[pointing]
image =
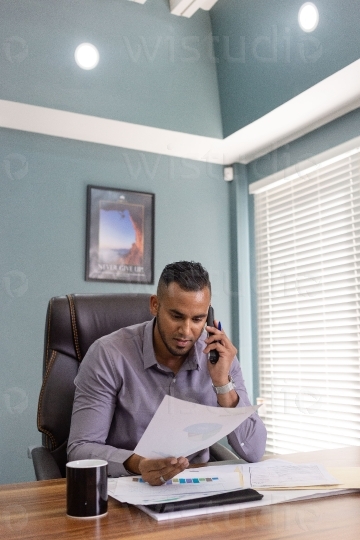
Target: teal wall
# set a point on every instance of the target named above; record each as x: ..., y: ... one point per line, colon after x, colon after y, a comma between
x: 264, y: 58
x: 242, y: 297
x: 332, y: 134
x: 154, y: 71
x: 155, y: 68
x: 42, y: 244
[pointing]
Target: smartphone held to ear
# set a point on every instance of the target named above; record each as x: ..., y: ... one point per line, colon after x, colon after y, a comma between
x: 214, y: 354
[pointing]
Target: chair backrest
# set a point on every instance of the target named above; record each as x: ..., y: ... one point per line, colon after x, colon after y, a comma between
x: 73, y: 323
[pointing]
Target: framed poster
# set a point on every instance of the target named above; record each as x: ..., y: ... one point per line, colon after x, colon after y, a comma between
x: 119, y: 235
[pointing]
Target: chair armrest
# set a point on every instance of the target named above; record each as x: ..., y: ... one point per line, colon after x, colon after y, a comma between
x: 45, y: 465
x: 219, y: 452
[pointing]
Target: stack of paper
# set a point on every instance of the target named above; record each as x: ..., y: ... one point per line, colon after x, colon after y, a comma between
x: 190, y: 484
x: 181, y: 428
x: 278, y: 480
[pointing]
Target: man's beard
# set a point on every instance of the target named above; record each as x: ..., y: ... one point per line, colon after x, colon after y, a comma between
x: 174, y: 351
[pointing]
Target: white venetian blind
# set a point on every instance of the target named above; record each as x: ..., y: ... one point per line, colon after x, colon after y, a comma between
x: 308, y: 294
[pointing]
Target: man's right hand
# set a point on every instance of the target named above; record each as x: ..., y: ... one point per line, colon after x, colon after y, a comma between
x: 156, y: 471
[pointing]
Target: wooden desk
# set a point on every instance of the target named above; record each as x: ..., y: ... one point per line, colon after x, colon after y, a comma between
x: 36, y: 510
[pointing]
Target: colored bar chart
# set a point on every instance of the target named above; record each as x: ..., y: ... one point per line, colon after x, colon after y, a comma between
x: 174, y: 481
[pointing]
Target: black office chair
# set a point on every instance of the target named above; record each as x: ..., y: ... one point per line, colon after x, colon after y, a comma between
x: 73, y: 323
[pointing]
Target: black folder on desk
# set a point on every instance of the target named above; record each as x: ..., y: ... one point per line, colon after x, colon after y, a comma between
x: 231, y: 497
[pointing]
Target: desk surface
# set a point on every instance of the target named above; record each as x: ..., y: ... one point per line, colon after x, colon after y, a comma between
x: 36, y: 510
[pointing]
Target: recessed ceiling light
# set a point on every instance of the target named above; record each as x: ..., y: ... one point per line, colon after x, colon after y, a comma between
x: 308, y: 17
x: 87, y: 56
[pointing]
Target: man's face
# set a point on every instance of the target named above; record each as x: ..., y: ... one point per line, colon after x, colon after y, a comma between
x: 180, y: 319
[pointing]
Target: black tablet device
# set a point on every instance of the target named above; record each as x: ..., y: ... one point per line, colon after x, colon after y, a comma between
x: 219, y: 499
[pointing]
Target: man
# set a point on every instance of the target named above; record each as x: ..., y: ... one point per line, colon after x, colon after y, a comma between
x: 125, y: 375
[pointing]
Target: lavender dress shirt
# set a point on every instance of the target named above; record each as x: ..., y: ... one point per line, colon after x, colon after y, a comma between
x: 120, y: 385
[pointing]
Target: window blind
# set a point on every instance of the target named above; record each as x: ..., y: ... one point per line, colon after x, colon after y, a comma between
x: 307, y: 231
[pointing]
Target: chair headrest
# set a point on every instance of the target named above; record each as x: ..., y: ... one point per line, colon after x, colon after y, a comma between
x: 75, y: 321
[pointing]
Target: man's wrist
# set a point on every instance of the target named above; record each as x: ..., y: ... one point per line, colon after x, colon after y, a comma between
x: 132, y: 464
x: 229, y: 400
x: 225, y: 388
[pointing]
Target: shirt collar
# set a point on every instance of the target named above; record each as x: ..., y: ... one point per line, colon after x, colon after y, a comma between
x: 192, y: 361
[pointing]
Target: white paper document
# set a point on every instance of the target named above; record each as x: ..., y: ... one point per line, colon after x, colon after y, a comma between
x: 190, y: 484
x: 181, y: 428
x: 278, y: 473
x: 224, y: 478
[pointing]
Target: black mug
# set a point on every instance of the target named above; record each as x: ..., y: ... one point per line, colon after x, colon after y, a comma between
x: 86, y: 488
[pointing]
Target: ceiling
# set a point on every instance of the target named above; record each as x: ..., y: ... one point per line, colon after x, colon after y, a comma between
x: 331, y: 98
x: 327, y: 100
x: 185, y: 8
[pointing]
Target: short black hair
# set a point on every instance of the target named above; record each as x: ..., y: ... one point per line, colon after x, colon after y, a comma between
x: 189, y: 275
